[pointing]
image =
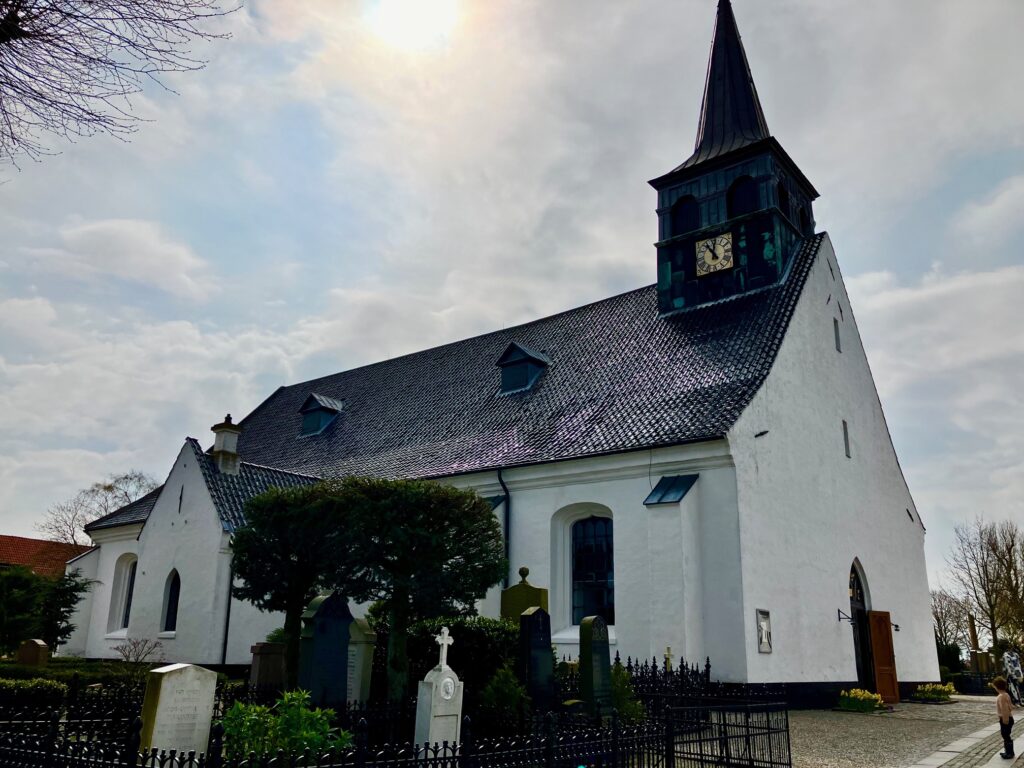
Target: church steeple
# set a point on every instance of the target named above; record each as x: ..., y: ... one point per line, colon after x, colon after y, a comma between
x: 732, y: 213
x: 730, y: 115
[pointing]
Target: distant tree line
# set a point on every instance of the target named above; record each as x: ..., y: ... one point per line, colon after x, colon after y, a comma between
x: 986, y: 568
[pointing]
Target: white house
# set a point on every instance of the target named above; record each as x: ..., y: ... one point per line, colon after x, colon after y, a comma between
x: 703, y: 461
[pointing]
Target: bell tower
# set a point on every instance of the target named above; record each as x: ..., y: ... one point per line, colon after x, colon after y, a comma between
x: 730, y: 216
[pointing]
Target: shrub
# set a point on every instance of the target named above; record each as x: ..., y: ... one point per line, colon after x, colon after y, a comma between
x: 290, y: 725
x: 36, y: 691
x: 859, y: 700
x: 623, y: 699
x: 504, y: 699
x: 89, y: 672
x: 482, y: 647
x: 934, y: 692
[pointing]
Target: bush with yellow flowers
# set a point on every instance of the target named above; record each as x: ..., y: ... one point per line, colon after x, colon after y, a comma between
x: 934, y: 692
x: 859, y: 700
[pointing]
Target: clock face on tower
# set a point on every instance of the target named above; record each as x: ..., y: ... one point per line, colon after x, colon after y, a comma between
x: 714, y: 254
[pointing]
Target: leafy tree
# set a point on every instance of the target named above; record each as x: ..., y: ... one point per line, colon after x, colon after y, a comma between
x: 422, y: 549
x: 419, y: 548
x: 19, y: 595
x: 288, y: 552
x: 32, y: 606
x: 66, y: 520
x: 57, y: 604
x: 69, y: 67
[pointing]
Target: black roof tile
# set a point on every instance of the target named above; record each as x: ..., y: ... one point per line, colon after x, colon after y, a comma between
x: 136, y: 512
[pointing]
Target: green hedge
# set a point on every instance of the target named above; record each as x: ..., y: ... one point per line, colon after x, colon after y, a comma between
x: 89, y: 672
x: 38, y: 690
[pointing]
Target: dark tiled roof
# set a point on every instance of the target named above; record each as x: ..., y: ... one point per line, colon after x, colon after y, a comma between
x: 329, y: 403
x: 730, y: 116
x: 621, y: 378
x: 136, y: 512
x: 45, y: 558
x: 230, y: 492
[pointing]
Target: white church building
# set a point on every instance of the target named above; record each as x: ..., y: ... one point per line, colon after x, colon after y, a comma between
x: 703, y: 461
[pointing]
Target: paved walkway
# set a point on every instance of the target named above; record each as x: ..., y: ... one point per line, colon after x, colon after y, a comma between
x: 963, y: 734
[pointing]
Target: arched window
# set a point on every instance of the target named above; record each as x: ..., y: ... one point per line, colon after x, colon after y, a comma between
x: 742, y: 197
x: 783, y: 195
x: 593, y: 573
x: 172, y: 589
x: 122, y: 592
x: 685, y: 216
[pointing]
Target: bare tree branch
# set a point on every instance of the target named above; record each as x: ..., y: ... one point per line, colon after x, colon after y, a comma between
x: 65, y: 521
x: 70, y: 67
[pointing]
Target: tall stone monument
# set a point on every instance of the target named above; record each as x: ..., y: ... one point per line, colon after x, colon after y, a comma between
x: 595, y: 665
x: 439, y: 701
x: 323, y: 649
x: 361, y: 643
x: 178, y: 708
x: 536, y: 664
x: 521, y: 596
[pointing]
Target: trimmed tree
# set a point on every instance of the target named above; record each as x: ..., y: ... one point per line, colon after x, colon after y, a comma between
x: 424, y: 550
x: 419, y: 548
x: 289, y: 551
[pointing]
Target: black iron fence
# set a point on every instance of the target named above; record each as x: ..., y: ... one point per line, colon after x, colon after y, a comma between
x: 706, y: 736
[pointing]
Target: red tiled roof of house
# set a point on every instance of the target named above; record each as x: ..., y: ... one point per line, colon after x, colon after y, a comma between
x: 46, y: 558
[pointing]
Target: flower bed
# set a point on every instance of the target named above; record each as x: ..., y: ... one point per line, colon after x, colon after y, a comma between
x: 859, y: 700
x: 934, y: 693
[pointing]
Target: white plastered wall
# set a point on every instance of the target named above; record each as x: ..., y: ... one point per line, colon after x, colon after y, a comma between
x: 87, y: 566
x: 677, y: 576
x: 806, y: 510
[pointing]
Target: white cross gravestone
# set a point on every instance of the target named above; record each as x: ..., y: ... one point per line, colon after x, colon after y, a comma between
x: 439, y: 703
x: 178, y: 708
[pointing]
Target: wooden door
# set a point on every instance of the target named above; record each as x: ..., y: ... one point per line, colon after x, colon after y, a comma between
x: 886, y: 684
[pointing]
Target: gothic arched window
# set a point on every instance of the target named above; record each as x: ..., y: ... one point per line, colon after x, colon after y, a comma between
x: 172, y: 591
x: 685, y: 216
x: 593, y: 573
x: 122, y: 592
x: 742, y: 197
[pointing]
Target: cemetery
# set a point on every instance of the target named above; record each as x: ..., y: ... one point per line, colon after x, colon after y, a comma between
x: 534, y: 709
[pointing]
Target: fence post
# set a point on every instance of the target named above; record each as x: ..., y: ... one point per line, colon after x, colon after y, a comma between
x: 361, y: 740
x: 73, y: 689
x: 615, y: 739
x: 549, y: 740
x: 466, y: 747
x: 131, y: 744
x: 670, y: 739
x: 215, y: 750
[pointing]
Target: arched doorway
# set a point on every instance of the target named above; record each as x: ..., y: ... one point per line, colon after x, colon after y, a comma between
x: 859, y: 606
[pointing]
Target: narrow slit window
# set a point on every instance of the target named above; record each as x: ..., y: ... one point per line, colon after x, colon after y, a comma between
x: 835, y: 329
x: 846, y: 438
x: 128, y: 594
x: 171, y: 595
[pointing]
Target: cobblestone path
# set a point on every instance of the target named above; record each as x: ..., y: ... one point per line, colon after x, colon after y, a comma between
x: 899, y: 738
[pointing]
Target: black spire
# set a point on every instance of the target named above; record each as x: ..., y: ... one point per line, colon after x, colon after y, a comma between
x: 730, y: 116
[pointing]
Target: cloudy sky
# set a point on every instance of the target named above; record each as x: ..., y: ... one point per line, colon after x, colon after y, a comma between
x: 351, y: 179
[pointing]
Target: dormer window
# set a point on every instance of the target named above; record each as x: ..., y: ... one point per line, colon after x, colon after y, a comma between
x: 318, y: 411
x: 521, y: 367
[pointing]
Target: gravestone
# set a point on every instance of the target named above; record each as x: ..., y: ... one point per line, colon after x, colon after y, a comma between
x: 595, y: 665
x: 521, y: 596
x: 439, y: 700
x: 323, y: 649
x: 178, y: 708
x: 536, y: 664
x: 361, y: 643
x: 267, y: 672
x: 33, y: 653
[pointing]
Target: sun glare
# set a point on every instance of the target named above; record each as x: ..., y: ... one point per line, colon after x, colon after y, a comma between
x: 413, y: 24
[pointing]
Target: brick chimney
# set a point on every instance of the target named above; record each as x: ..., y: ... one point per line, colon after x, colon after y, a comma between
x: 225, y: 445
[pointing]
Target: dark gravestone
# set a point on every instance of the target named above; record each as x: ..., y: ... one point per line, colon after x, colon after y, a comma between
x: 595, y: 665
x: 536, y: 664
x: 268, y: 667
x: 33, y: 653
x: 521, y: 596
x: 323, y: 649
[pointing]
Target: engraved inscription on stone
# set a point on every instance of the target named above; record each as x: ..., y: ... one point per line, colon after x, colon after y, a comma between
x: 178, y: 708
